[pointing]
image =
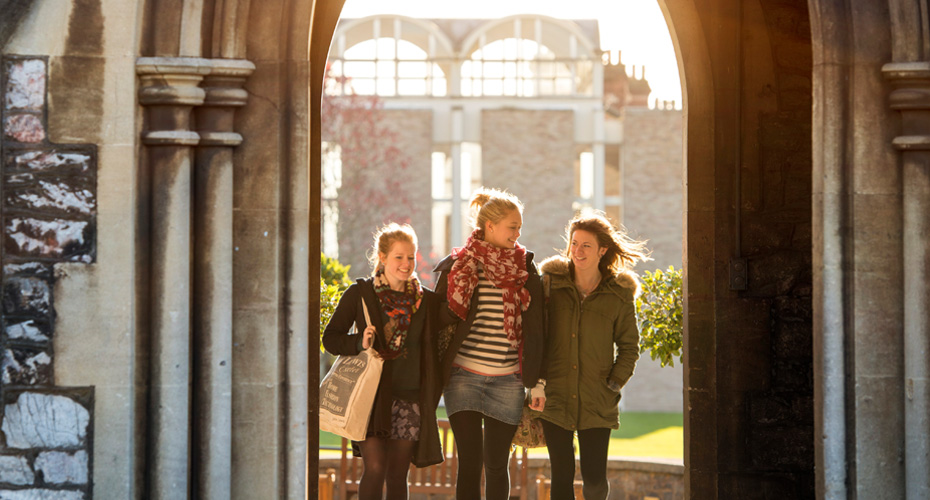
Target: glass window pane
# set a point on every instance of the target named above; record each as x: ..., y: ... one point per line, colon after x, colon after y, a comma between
x: 412, y: 69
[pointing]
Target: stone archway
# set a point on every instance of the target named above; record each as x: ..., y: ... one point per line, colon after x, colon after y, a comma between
x: 709, y: 227
x: 769, y: 389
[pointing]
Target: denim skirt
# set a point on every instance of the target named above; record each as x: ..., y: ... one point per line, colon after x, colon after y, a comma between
x: 499, y: 397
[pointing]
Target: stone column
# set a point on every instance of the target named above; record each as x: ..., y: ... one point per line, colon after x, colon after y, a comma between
x: 213, y: 269
x: 169, y: 89
x: 911, y: 96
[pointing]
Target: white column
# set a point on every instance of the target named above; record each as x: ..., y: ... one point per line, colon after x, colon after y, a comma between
x: 169, y: 89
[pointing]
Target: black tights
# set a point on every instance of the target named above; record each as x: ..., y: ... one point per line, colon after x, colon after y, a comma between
x: 490, y: 450
x: 387, y: 461
x: 593, y: 444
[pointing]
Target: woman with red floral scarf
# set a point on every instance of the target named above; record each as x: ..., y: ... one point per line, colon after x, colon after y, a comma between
x: 402, y: 428
x: 493, y: 291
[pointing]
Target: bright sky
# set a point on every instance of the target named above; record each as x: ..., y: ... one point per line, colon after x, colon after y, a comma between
x: 635, y: 27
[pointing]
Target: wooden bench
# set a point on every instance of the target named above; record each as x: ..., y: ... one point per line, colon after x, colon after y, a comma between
x: 436, y: 479
x: 327, y: 485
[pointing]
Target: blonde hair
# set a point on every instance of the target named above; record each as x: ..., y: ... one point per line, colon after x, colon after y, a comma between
x: 385, y: 237
x: 622, y: 251
x: 492, y: 205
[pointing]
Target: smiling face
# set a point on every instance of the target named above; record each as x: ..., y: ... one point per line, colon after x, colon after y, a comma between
x: 505, y: 232
x: 399, y: 263
x: 585, y: 252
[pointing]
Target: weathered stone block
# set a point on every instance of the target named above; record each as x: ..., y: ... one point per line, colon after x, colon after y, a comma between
x: 793, y: 375
x: 25, y: 366
x: 41, y: 494
x: 59, y: 467
x: 15, y: 470
x: 61, y: 239
x: 793, y: 339
x: 39, y: 420
x: 31, y: 330
x: 37, y: 269
x: 27, y: 296
x: 71, y: 162
x: 25, y: 85
x: 24, y: 128
x: 783, y: 448
x: 68, y: 196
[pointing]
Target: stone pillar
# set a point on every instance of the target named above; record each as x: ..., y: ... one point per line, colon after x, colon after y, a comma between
x: 169, y: 89
x: 911, y: 96
x: 212, y: 273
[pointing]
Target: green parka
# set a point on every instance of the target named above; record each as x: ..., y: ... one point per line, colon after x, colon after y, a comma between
x: 589, y: 343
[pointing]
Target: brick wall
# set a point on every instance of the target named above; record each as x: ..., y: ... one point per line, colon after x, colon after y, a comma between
x: 48, y: 216
x: 532, y: 154
x: 652, y: 167
x: 409, y: 141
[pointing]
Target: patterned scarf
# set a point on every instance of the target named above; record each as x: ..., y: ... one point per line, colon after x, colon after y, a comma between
x: 399, y: 307
x: 504, y: 267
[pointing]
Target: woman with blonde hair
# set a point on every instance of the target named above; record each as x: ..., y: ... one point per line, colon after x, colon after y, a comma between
x: 402, y: 427
x: 492, y: 290
x: 592, y: 348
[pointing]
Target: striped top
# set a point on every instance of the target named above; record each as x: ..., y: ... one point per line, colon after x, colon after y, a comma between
x: 486, y: 350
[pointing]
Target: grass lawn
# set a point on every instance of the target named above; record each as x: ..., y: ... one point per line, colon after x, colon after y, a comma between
x: 650, y: 435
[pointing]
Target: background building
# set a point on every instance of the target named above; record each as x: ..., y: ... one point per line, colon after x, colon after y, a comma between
x: 525, y: 103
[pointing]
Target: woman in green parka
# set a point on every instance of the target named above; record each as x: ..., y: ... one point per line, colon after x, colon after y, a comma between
x: 593, y: 345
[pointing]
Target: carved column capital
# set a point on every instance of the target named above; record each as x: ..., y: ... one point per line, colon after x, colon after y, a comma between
x: 910, y: 95
x: 169, y: 87
x: 224, y: 92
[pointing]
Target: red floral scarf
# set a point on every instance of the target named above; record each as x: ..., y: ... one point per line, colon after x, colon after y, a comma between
x: 399, y: 308
x: 504, y: 267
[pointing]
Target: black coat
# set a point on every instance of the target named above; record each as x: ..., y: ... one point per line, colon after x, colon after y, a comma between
x: 534, y: 332
x: 337, y: 340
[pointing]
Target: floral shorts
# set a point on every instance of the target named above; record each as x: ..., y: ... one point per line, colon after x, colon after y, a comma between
x: 405, y: 420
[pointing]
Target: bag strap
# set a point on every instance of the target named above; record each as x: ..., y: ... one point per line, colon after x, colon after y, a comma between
x: 365, y: 312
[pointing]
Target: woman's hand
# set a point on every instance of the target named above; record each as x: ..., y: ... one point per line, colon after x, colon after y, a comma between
x: 538, y: 397
x: 368, y: 337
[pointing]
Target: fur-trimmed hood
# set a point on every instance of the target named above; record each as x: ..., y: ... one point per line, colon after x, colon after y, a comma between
x: 558, y: 265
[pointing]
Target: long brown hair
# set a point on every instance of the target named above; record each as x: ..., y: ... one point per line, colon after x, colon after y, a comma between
x: 622, y: 253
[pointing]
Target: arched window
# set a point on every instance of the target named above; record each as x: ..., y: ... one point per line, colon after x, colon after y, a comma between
x: 389, y: 56
x: 528, y: 57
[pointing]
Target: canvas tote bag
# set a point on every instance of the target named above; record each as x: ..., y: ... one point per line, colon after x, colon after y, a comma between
x: 348, y: 392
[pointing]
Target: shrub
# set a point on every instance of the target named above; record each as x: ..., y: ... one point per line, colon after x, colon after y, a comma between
x: 334, y: 279
x: 333, y: 272
x: 659, y: 315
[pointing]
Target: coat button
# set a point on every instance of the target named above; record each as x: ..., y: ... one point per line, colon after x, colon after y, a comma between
x: 574, y: 367
x: 573, y: 335
x: 574, y: 396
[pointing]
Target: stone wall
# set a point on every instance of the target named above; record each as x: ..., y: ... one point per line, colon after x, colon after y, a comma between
x: 629, y: 479
x: 761, y: 366
x: 518, y: 149
x: 49, y: 216
x: 652, y: 165
x: 372, y: 195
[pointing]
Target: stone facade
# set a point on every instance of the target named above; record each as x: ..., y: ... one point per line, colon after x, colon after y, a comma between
x: 49, y: 216
x: 652, y: 165
x: 629, y: 479
x: 652, y: 193
x: 805, y: 164
x: 520, y: 146
x: 404, y: 193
